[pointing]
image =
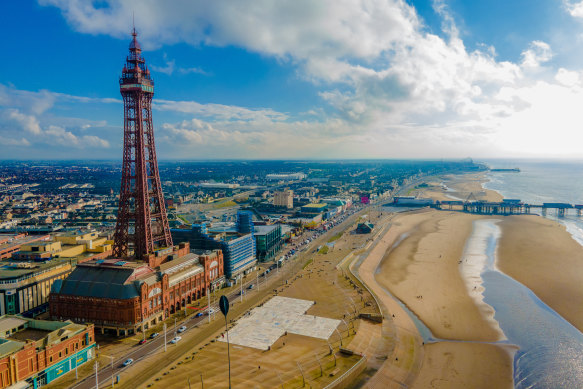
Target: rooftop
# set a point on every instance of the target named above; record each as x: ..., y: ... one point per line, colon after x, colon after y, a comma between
x: 264, y: 230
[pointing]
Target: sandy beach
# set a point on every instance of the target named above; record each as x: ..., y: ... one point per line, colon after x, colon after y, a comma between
x: 418, y: 262
x: 542, y: 255
x: 423, y: 272
x: 456, y: 187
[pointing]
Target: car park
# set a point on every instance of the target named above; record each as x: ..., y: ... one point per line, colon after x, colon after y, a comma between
x: 176, y: 340
x: 128, y: 362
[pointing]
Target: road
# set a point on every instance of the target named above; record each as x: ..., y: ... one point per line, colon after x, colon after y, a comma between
x: 152, y: 346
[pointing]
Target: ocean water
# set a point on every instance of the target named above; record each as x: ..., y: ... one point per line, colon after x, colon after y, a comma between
x: 543, y: 182
x: 551, y: 349
x: 550, y: 353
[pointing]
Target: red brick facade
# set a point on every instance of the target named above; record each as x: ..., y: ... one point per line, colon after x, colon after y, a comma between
x: 156, y: 301
x: 28, y: 361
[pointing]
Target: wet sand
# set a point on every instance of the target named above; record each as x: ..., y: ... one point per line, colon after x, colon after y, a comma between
x: 420, y: 266
x: 543, y: 256
x: 422, y: 271
x: 464, y: 186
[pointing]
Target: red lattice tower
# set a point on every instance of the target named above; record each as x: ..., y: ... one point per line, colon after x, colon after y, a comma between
x: 142, y: 224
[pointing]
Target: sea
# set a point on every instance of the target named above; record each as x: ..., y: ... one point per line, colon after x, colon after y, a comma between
x: 550, y: 353
x: 542, y: 182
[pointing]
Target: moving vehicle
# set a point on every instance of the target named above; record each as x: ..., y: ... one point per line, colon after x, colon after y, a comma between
x: 142, y: 341
x: 181, y: 329
x: 155, y: 334
x: 198, y: 314
x: 176, y: 340
x: 251, y: 286
x: 128, y: 362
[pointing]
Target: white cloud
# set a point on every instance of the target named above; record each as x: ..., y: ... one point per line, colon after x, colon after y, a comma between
x: 25, y: 120
x: 567, y: 77
x: 537, y: 53
x: 395, y: 90
x: 575, y: 9
x: 28, y: 123
x: 219, y: 111
x: 15, y: 142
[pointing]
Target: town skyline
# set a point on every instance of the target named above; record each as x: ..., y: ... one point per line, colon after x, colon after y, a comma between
x: 385, y: 79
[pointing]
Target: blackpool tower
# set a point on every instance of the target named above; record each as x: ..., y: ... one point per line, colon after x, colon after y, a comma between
x: 142, y: 224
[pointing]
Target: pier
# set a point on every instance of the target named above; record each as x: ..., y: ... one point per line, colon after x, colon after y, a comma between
x: 506, y: 207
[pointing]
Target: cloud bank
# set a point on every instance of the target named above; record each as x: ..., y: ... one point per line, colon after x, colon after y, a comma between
x: 388, y: 86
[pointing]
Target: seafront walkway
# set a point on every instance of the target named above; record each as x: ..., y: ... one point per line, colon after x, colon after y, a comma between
x: 403, y: 361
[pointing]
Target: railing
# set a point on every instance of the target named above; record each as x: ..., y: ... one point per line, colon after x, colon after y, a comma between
x: 348, y: 375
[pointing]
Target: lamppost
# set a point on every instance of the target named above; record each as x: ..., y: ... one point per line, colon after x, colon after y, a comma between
x: 224, y: 306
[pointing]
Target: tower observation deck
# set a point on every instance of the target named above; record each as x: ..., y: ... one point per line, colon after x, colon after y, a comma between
x: 142, y: 224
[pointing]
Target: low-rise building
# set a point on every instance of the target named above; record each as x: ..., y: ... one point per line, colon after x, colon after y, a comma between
x: 11, y: 243
x: 126, y: 297
x: 36, y: 352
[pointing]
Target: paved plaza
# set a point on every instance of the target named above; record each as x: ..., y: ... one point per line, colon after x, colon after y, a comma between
x: 261, y: 327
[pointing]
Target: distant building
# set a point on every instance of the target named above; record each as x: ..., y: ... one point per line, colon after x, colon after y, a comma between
x: 286, y: 177
x: 77, y: 246
x: 412, y: 201
x: 268, y: 241
x: 125, y: 297
x: 284, y: 198
x: 11, y: 243
x: 238, y: 247
x: 218, y: 185
x: 34, y: 353
x: 314, y: 209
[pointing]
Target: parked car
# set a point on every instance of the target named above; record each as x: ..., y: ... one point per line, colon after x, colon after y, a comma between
x: 198, y: 314
x: 251, y: 286
x: 142, y: 341
x: 128, y: 362
x: 211, y: 311
x: 155, y: 334
x: 176, y: 340
x: 181, y: 329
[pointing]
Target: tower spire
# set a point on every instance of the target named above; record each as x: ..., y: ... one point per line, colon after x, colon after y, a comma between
x: 142, y: 224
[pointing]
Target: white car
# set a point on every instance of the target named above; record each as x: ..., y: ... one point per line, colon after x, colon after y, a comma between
x: 176, y: 340
x: 211, y: 311
x: 128, y: 362
x: 181, y: 329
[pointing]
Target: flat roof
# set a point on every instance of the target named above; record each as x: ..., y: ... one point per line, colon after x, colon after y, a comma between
x: 315, y: 205
x: 8, y: 323
x: 264, y: 230
x: 9, y: 271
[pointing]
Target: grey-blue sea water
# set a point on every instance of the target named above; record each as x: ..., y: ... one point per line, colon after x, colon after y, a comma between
x: 551, y: 349
x: 543, y: 181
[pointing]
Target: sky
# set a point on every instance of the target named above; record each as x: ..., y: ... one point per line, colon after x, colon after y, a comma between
x: 297, y: 79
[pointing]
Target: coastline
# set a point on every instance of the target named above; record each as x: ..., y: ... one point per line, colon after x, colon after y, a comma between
x: 423, y: 266
x: 422, y: 272
x: 551, y: 267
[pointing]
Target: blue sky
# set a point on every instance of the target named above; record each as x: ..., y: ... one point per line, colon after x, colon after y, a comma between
x: 297, y: 78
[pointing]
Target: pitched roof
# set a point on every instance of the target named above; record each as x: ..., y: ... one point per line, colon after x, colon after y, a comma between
x: 100, y: 282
